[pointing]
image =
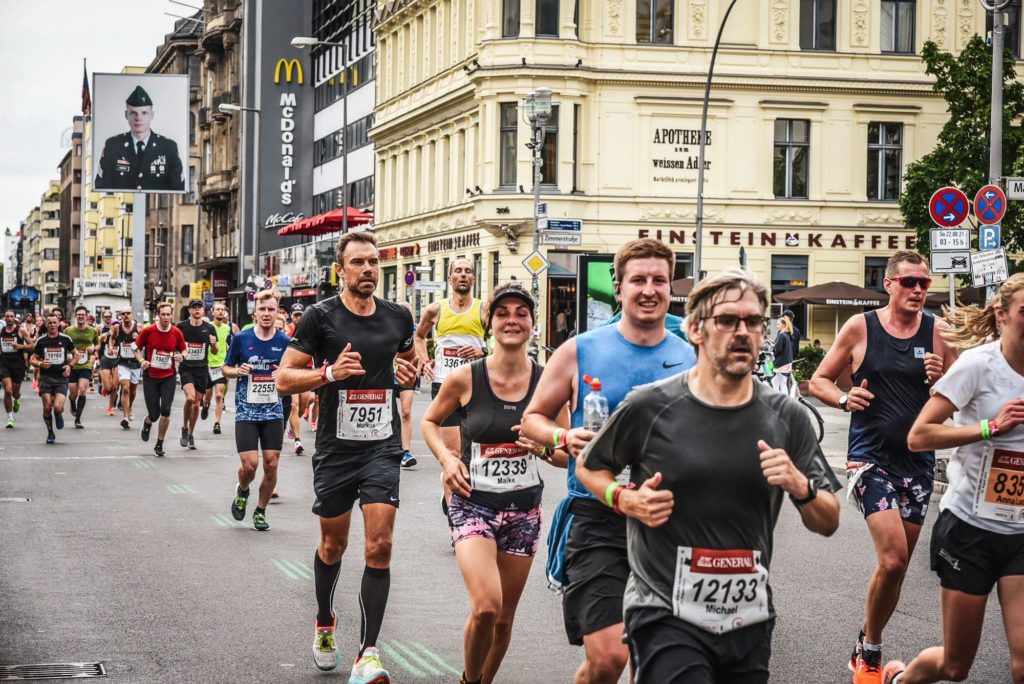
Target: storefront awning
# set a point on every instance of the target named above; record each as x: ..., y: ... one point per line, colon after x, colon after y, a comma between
x: 218, y: 262
x: 329, y: 222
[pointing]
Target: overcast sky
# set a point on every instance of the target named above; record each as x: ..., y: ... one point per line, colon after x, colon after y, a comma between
x: 42, y: 44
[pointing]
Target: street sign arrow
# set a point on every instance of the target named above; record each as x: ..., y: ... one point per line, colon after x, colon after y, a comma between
x: 990, y: 205
x: 948, y: 207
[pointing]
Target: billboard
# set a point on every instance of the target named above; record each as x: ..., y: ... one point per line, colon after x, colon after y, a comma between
x: 140, y: 132
x: 597, y: 301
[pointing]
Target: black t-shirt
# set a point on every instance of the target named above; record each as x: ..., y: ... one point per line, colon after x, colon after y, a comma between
x: 197, y: 343
x: 123, y: 340
x: 57, y: 350
x: 722, y: 524
x: 367, y: 400
x: 10, y: 356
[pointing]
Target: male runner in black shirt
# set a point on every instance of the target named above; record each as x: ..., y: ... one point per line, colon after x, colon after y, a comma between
x: 360, y: 346
x: 53, y: 355
x: 13, y: 346
x: 194, y: 371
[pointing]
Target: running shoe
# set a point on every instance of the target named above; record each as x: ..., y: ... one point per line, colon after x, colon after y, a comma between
x: 50, y: 437
x: 408, y: 460
x: 259, y: 521
x: 204, y: 412
x: 183, y: 440
x: 368, y: 669
x: 110, y: 410
x: 78, y: 423
x: 146, y: 427
x: 159, y: 450
x: 858, y: 646
x: 274, y: 494
x: 17, y: 405
x: 125, y: 425
x: 238, y: 504
x: 893, y: 669
x: 131, y: 414
x: 325, y: 648
x: 869, y: 668
x: 216, y: 428
x: 58, y: 419
x: 298, y: 448
x: 191, y: 442
x: 10, y: 423
x: 289, y: 434
x: 71, y: 405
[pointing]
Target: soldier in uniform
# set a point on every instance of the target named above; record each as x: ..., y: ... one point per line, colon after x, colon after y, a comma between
x: 140, y: 159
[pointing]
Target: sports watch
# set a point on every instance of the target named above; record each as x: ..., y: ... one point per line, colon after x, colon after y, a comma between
x: 844, y: 402
x: 812, y: 493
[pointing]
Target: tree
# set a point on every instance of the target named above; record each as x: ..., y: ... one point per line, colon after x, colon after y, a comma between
x: 961, y: 156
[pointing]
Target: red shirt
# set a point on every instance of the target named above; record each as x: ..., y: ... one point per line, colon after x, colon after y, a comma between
x: 159, y: 346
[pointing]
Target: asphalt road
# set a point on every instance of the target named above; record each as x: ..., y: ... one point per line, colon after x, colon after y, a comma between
x: 134, y: 561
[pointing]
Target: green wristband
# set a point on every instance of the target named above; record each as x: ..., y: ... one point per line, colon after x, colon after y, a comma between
x: 556, y: 438
x: 609, y: 493
x: 986, y: 431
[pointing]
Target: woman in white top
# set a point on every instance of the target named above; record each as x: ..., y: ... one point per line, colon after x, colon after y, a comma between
x: 978, y: 540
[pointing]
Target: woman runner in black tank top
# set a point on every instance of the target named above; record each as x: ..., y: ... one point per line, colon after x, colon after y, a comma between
x: 495, y: 512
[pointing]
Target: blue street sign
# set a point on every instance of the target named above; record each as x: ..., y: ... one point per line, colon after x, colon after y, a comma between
x: 565, y: 224
x: 949, y: 207
x: 990, y: 205
x: 990, y: 237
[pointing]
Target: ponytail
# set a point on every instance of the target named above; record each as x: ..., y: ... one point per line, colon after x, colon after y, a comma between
x: 973, y: 325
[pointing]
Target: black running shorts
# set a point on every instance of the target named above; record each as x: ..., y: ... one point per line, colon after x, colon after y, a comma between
x: 339, y: 480
x: 596, y: 569
x: 199, y: 376
x: 159, y: 395
x: 108, y: 363
x: 969, y: 559
x: 78, y: 374
x: 14, y: 371
x: 48, y: 385
x: 666, y: 650
x: 455, y: 419
x: 268, y: 434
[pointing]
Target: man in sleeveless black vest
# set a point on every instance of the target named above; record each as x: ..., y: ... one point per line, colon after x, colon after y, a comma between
x: 894, y: 354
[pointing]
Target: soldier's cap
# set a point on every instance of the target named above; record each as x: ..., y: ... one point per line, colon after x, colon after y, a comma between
x: 509, y: 291
x: 139, y: 98
x: 195, y: 302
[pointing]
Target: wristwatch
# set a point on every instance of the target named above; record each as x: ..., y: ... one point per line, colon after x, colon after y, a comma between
x: 844, y: 402
x: 812, y: 493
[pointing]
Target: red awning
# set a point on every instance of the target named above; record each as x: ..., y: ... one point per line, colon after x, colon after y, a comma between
x: 330, y: 222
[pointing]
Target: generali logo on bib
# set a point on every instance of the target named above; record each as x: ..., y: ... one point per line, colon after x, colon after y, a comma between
x: 374, y: 396
x: 502, y: 451
x: 723, y: 562
x: 1008, y: 460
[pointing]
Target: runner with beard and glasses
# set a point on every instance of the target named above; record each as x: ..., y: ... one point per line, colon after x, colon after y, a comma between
x: 457, y: 323
x: 587, y: 547
x: 164, y: 347
x: 218, y: 388
x: 53, y: 355
x: 13, y: 346
x: 129, y: 372
x: 87, y: 341
x: 895, y: 354
x: 361, y: 347
x: 108, y: 362
x: 711, y: 454
x: 200, y: 340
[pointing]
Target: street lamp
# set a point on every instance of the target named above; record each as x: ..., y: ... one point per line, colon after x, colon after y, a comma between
x: 301, y: 43
x: 229, y: 108
x: 538, y: 111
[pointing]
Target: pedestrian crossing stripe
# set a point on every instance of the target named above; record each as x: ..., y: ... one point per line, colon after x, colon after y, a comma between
x: 143, y: 464
x: 225, y: 521
x: 416, y: 659
x: 180, y: 489
x: 293, y: 570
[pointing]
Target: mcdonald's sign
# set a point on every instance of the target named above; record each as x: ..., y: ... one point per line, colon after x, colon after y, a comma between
x: 289, y: 65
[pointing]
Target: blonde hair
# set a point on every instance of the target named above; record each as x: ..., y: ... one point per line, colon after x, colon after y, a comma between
x: 974, y: 325
x: 264, y: 295
x: 786, y: 325
x: 708, y: 292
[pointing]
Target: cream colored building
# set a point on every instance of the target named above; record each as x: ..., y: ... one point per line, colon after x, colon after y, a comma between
x: 811, y: 125
x: 42, y: 246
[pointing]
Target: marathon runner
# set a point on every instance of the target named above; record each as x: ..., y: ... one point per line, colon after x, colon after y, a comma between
x: 296, y: 407
x: 360, y: 346
x: 405, y: 397
x: 129, y: 372
x: 30, y: 331
x: 588, y: 557
x: 894, y: 354
x: 698, y: 604
x: 200, y: 340
x: 259, y: 417
x: 225, y: 329
x: 87, y: 341
x: 978, y: 541
x: 458, y: 327
x: 495, y: 509
x: 108, y: 362
x: 54, y: 354
x: 164, y: 346
x: 13, y: 347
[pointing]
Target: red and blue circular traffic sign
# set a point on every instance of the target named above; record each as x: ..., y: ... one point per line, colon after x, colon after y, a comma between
x: 949, y: 207
x: 410, y: 277
x: 990, y: 205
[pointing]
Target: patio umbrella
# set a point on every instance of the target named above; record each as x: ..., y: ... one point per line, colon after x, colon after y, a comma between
x: 964, y: 295
x: 329, y: 222
x: 681, y: 289
x: 835, y: 293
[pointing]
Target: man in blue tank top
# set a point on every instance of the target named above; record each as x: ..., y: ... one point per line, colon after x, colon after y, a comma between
x: 894, y: 354
x: 635, y: 351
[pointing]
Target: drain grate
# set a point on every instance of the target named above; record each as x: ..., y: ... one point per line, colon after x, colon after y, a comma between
x: 10, y: 673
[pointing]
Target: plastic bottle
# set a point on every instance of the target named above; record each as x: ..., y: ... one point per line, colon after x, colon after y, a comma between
x: 595, y: 406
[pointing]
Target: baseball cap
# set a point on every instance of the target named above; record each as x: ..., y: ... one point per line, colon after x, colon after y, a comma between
x: 788, y: 313
x: 195, y: 302
x: 297, y: 307
x: 509, y: 291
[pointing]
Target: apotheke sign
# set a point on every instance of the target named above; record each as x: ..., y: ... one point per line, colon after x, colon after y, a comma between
x: 675, y: 154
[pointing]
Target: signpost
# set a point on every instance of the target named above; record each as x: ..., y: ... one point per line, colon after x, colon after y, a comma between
x: 990, y: 205
x: 989, y: 268
x: 990, y: 237
x: 951, y: 262
x: 949, y: 207
x: 950, y: 239
x: 410, y: 277
x: 1015, y: 188
x: 535, y: 263
x: 562, y: 238
x: 430, y: 286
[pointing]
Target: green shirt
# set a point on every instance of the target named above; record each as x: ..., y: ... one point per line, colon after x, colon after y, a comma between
x: 223, y: 338
x: 83, y: 339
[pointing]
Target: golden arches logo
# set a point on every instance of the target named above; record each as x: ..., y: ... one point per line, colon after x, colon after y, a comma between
x: 289, y: 66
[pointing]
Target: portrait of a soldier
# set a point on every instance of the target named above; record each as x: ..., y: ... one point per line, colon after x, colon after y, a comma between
x: 140, y: 159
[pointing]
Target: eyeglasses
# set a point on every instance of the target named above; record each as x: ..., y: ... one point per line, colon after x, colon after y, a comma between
x: 731, y: 322
x: 910, y: 282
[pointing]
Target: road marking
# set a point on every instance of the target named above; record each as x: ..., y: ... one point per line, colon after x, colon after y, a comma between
x: 143, y: 463
x: 420, y: 661
x: 180, y: 489
x: 402, y: 662
x: 225, y: 521
x: 436, y: 658
x: 285, y: 569
x: 293, y: 569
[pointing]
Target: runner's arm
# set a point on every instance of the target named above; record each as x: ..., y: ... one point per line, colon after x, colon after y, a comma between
x: 294, y: 375
x: 930, y: 432
x: 423, y: 330
x: 553, y: 396
x: 839, y: 358
x: 455, y: 392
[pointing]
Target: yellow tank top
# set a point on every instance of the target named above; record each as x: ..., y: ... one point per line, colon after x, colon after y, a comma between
x: 454, y: 330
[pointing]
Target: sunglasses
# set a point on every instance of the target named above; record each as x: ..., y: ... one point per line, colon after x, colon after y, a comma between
x: 910, y: 282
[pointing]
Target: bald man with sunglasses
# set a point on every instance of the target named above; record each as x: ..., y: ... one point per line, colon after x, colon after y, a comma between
x: 895, y: 355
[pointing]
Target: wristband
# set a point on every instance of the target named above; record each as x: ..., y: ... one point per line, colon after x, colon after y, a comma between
x: 544, y: 453
x: 323, y: 373
x: 993, y: 428
x: 556, y: 438
x: 329, y: 372
x: 986, y: 430
x: 615, y: 497
x: 610, y: 493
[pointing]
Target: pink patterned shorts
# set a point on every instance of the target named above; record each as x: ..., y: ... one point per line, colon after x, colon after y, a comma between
x: 515, y: 532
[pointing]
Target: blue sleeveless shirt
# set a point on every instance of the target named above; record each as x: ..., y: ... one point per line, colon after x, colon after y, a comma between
x: 621, y: 365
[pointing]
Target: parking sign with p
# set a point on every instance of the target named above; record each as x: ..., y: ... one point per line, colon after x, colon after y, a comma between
x: 989, y: 237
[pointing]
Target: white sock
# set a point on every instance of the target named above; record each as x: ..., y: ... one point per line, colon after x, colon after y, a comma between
x: 872, y: 647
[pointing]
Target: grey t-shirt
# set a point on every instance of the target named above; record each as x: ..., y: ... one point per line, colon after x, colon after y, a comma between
x: 708, y: 565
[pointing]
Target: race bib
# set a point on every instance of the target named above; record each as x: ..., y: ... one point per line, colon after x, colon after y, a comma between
x: 262, y: 389
x: 445, y: 361
x: 7, y: 345
x: 502, y: 468
x: 108, y: 353
x: 195, y: 351
x: 161, y: 360
x: 54, y: 355
x: 216, y: 374
x: 999, y: 494
x: 126, y: 351
x: 364, y: 414
x: 720, y: 590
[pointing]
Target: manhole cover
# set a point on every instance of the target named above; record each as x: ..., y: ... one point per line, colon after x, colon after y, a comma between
x: 10, y: 673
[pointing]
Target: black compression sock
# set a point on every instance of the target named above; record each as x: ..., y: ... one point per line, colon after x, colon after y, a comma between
x: 325, y: 577
x: 79, y: 405
x: 260, y: 510
x: 49, y: 423
x: 373, y: 599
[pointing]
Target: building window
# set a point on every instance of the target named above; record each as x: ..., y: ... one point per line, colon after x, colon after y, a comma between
x: 654, y: 21
x: 1011, y: 27
x: 791, y: 151
x: 495, y: 269
x: 874, y: 273
x: 789, y: 272
x: 547, y: 18
x: 508, y: 137
x: 549, y: 152
x: 359, y: 73
x: 477, y: 258
x: 187, y: 244
x: 898, y: 25
x: 885, y: 160
x: 818, y: 24
x: 575, y: 147
x: 510, y: 18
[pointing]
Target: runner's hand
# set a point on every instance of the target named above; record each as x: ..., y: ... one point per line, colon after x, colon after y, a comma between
x: 779, y: 470
x: 456, y: 476
x: 145, y: 364
x: 648, y: 504
x: 576, y: 439
x: 932, y: 367
x: 427, y: 369
x: 469, y: 351
x: 178, y: 357
x: 858, y: 398
x: 527, y: 443
x: 244, y: 369
x: 1011, y: 415
x: 67, y: 371
x: 348, y: 364
x: 45, y: 364
x: 405, y: 372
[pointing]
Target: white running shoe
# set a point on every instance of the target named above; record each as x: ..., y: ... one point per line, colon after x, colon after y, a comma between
x: 325, y: 648
x: 368, y: 669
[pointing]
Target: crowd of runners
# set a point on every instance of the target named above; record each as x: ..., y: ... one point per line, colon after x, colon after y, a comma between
x: 677, y: 459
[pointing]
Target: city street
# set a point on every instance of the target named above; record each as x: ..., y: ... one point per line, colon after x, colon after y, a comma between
x: 135, y: 561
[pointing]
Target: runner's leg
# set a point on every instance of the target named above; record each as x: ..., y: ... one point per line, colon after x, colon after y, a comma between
x: 379, y: 522
x: 190, y: 412
x: 514, y: 570
x: 8, y: 396
x: 962, y: 618
x: 83, y: 392
x: 327, y: 563
x: 247, y: 470
x: 269, y: 480
x: 894, y: 542
x: 219, y: 390
x: 406, y: 401
x: 477, y: 557
x: 47, y: 410
x: 606, y: 656
x: 1011, y: 599
x: 166, y: 400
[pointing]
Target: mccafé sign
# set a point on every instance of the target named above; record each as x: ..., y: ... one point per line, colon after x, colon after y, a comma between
x: 392, y: 253
x: 771, y: 238
x: 289, y: 66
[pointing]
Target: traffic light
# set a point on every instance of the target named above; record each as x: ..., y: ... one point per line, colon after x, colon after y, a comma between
x: 334, y: 275
x: 99, y: 262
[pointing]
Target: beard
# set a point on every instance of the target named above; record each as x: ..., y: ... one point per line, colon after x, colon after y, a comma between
x: 463, y: 288
x: 735, y: 369
x: 356, y: 289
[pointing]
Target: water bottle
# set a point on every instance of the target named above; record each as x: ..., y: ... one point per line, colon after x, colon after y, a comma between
x: 595, y: 406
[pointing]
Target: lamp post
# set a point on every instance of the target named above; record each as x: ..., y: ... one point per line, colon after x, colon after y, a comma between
x: 302, y: 42
x: 229, y: 108
x: 538, y: 111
